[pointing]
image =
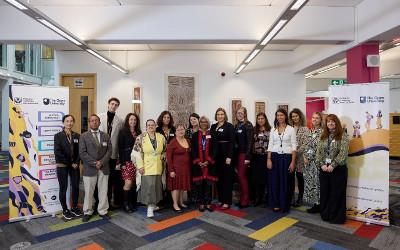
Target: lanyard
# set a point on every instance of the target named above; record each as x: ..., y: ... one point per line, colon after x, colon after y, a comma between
x: 281, y: 137
x: 203, y: 142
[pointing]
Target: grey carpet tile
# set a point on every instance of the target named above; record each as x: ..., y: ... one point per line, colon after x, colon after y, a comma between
x: 334, y: 237
x: 253, y: 213
x: 292, y: 238
x: 117, y: 238
x: 227, y: 222
x: 134, y: 223
x: 315, y: 219
x: 14, y: 233
x: 40, y: 226
x: 167, y: 213
x: 388, y: 239
x: 225, y: 238
x: 186, y: 239
x: 71, y: 241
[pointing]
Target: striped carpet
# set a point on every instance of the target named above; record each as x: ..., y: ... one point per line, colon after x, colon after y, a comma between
x: 250, y: 228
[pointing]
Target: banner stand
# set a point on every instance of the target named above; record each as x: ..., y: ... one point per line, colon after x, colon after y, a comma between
x: 35, y: 116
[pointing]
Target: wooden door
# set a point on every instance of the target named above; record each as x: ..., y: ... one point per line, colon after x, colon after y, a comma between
x: 394, y: 131
x: 81, y: 98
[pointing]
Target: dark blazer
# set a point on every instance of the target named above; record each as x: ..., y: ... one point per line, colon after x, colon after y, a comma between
x: 223, y: 139
x: 172, y: 131
x: 125, y: 145
x: 90, y: 153
x: 65, y: 152
x: 198, y: 155
x: 244, y: 138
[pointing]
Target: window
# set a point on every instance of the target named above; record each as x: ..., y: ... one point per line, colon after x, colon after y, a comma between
x: 3, y: 55
x: 20, y: 57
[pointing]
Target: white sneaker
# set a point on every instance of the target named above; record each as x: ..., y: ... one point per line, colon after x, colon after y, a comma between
x: 150, y: 211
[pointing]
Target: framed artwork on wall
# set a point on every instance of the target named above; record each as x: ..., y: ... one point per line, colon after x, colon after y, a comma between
x: 284, y: 106
x: 235, y: 104
x: 137, y: 100
x: 181, y: 96
x: 260, y: 107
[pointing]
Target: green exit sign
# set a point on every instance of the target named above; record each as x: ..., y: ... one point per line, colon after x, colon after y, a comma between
x: 338, y: 82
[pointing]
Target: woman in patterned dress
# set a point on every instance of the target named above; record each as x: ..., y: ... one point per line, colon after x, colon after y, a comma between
x: 332, y: 151
x: 311, y: 170
x: 298, y: 121
x: 126, y: 140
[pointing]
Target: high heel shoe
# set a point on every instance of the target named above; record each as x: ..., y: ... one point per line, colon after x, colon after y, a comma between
x: 177, y: 210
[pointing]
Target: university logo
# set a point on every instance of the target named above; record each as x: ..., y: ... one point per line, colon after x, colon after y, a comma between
x: 363, y: 99
x: 18, y: 100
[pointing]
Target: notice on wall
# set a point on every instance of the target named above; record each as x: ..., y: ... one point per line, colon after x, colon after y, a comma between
x: 364, y: 111
x: 35, y: 116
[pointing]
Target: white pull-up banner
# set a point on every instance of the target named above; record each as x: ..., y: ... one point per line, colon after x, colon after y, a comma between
x: 364, y: 110
x: 35, y: 115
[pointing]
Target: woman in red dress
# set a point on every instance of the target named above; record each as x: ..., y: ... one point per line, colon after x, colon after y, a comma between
x: 179, y: 164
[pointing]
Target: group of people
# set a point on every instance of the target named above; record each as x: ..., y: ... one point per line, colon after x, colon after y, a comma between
x: 156, y: 167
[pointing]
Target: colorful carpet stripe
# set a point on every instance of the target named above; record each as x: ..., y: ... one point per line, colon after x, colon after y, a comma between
x: 320, y: 245
x: 173, y: 221
x: 172, y: 230
x: 230, y: 211
x: 93, y: 246
x: 265, y: 220
x: 368, y: 231
x: 353, y: 224
x: 70, y: 230
x: 208, y: 246
x: 273, y: 229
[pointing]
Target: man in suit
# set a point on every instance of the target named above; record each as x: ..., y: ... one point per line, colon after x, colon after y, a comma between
x: 111, y: 124
x: 95, y: 151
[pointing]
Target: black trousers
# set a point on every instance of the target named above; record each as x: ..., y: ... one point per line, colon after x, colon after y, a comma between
x: 225, y: 181
x: 203, y: 189
x: 333, y: 195
x: 115, y: 184
x: 300, y: 185
x: 62, y: 175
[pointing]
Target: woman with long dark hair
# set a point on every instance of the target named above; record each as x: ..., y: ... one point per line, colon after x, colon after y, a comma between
x: 165, y: 125
x: 126, y: 141
x: 298, y: 121
x: 193, y: 126
x: 258, y: 164
x: 332, y: 151
x: 281, y: 162
x: 66, y: 150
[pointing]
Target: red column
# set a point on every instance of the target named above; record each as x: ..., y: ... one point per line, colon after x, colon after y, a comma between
x: 357, y: 70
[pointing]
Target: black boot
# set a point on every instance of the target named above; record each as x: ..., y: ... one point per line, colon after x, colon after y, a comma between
x: 126, y: 202
x: 132, y: 201
x: 314, y: 209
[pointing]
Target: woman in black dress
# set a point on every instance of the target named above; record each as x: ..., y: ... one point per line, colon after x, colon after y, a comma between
x: 223, y: 136
x: 126, y: 140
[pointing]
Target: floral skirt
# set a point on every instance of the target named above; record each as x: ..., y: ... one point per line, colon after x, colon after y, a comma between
x: 129, y: 173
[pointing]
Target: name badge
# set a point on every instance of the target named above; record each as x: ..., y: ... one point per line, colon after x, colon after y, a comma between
x: 333, y: 140
x: 310, y: 151
x: 280, y: 150
x: 104, y: 144
x: 171, y: 135
x: 328, y: 161
x: 154, y: 153
x: 239, y: 131
x: 314, y: 135
x: 260, y: 134
x: 75, y: 140
x: 208, y: 136
x: 220, y: 130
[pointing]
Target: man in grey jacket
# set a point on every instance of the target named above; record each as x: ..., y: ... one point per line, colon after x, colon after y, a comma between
x: 95, y: 152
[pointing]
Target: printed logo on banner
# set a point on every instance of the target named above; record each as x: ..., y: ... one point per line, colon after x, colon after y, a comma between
x: 50, y: 101
x: 342, y: 100
x: 25, y: 100
x: 372, y: 99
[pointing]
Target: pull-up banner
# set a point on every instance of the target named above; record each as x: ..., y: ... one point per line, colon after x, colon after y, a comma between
x: 364, y: 110
x: 35, y: 115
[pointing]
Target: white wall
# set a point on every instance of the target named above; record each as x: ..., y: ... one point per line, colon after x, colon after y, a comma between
x: 268, y: 77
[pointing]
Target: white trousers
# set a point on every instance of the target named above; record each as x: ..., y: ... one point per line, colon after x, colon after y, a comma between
x: 89, y: 183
